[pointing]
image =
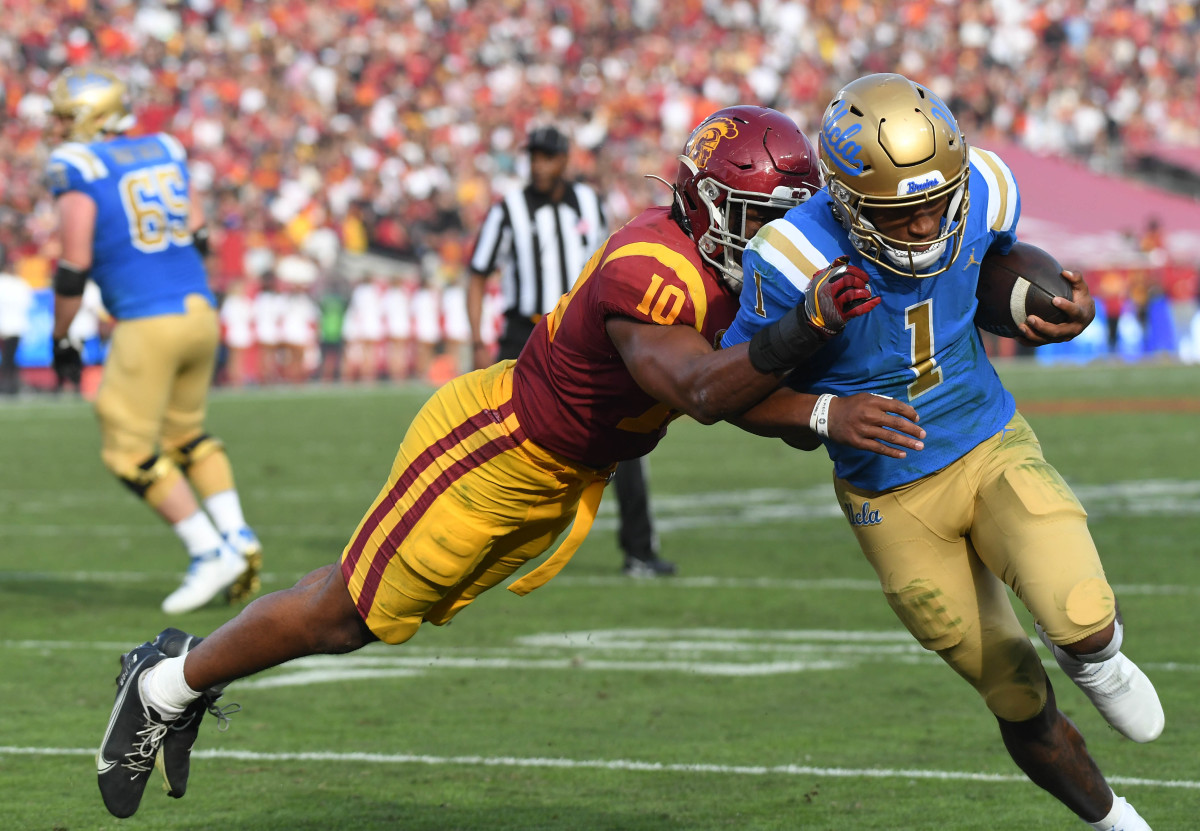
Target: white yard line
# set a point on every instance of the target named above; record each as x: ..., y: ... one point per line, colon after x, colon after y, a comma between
x: 847, y: 584
x: 610, y: 764
x: 1139, y: 497
x: 742, y: 653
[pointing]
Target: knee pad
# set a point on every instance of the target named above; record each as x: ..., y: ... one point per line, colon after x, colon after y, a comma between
x: 149, y: 479
x: 1017, y: 702
x: 923, y: 611
x: 205, y: 464
x: 1089, y: 608
x: 1020, y: 693
x: 1090, y: 605
x: 1007, y: 673
x: 195, y: 450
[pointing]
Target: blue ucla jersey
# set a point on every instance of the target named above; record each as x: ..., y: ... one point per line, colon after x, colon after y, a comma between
x: 143, y: 258
x: 920, y: 345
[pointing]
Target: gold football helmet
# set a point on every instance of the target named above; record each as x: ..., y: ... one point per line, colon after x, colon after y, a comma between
x: 90, y: 102
x: 887, y: 142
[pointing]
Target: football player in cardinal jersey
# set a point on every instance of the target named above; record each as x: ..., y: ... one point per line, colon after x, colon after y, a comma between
x: 499, y: 462
x: 908, y: 204
x: 127, y: 220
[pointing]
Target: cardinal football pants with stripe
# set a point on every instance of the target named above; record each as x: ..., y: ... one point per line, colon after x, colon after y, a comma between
x: 469, y: 501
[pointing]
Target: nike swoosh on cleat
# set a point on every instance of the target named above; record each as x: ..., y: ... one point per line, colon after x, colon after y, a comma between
x: 103, y: 765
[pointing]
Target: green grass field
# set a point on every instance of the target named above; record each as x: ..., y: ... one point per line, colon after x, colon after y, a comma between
x: 769, y: 686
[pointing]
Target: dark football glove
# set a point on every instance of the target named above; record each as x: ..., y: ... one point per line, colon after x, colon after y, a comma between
x: 837, y: 294
x: 68, y: 362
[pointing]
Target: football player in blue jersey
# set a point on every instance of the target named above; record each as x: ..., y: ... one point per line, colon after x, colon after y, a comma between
x: 909, y: 204
x: 128, y: 221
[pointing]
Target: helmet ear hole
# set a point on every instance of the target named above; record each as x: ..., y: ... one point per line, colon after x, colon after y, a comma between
x: 689, y: 202
x: 679, y: 211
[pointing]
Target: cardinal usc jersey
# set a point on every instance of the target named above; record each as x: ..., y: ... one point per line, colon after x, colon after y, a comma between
x: 920, y: 345
x: 572, y: 392
x: 143, y: 258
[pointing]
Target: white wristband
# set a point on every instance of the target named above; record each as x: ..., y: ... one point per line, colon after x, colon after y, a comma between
x: 818, y: 422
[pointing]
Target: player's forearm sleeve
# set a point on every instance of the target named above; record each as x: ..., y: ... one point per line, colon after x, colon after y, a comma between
x: 70, y: 280
x: 784, y: 344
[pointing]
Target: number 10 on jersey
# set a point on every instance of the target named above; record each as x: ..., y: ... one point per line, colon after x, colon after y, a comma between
x: 669, y: 305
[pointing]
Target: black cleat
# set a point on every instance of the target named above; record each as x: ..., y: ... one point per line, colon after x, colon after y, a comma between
x: 176, y: 756
x: 135, y: 732
x: 652, y: 567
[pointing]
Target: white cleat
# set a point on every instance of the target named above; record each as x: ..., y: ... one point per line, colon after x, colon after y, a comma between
x: 209, y: 574
x: 1118, y: 689
x: 1131, y: 820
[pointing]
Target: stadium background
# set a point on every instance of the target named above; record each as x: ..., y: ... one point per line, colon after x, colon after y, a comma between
x: 353, y: 144
x: 767, y: 688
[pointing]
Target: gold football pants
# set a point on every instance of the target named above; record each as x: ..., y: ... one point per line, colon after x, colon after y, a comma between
x: 469, y: 501
x: 155, y: 387
x: 946, y: 546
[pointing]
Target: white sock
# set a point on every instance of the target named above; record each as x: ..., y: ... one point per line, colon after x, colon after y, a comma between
x: 164, y: 689
x: 226, y: 510
x: 197, y: 533
x: 1122, y: 817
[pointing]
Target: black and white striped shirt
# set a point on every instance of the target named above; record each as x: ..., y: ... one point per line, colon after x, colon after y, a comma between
x: 539, y: 246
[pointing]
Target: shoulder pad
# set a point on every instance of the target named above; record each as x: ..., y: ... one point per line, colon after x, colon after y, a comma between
x: 785, y: 248
x: 1002, y: 193
x: 73, y: 165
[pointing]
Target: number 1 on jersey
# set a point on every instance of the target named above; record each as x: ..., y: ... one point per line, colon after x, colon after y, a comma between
x: 919, y: 320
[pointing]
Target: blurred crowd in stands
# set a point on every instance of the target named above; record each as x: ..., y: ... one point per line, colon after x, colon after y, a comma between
x: 349, y: 149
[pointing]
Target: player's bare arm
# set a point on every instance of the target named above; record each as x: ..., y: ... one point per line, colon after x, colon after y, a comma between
x: 198, y: 222
x: 868, y: 422
x: 65, y: 309
x: 476, y: 288
x: 1080, y: 311
x: 677, y: 366
x: 76, y: 226
x: 197, y: 216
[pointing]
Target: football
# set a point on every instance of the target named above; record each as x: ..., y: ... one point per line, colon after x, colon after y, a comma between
x: 1013, y: 286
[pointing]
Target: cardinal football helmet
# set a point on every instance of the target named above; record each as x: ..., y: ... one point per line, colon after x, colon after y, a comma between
x: 740, y: 157
x: 887, y: 142
x: 90, y: 102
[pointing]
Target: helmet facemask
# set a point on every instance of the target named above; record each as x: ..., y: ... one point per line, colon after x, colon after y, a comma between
x: 910, y: 259
x: 730, y: 211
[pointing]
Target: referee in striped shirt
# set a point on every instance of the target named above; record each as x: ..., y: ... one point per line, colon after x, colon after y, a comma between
x: 540, y: 238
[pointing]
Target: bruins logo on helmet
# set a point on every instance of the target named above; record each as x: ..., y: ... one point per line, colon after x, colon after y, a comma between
x: 838, y: 144
x: 90, y: 102
x: 706, y: 138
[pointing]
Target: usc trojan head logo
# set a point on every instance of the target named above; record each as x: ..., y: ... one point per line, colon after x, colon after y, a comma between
x: 705, y: 139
